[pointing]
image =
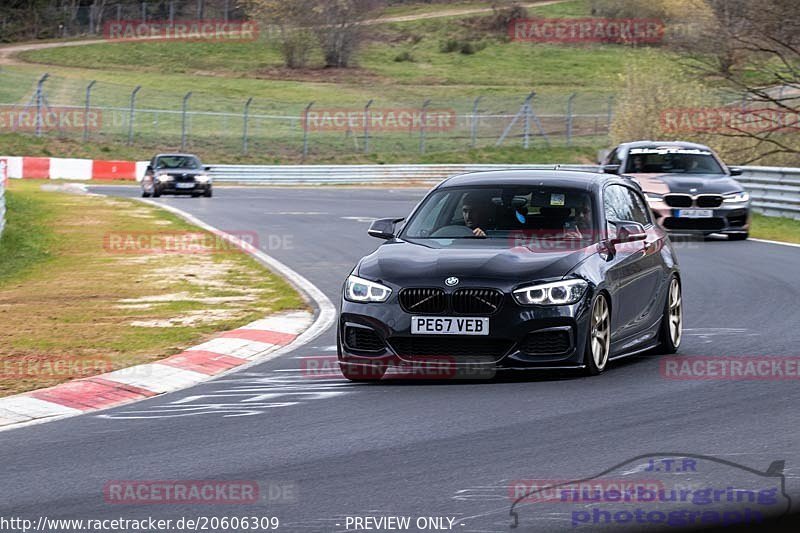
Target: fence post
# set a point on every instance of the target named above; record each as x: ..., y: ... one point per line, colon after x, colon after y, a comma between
x: 144, y: 11
x: 610, y: 113
x: 305, y: 130
x: 474, y: 125
x: 527, y: 126
x: 171, y: 11
x: 86, y: 110
x: 569, y: 118
x: 39, y: 98
x: 423, y: 117
x: 524, y: 108
x: 183, y: 120
x: 133, y: 114
x: 366, y: 126
x: 246, y: 117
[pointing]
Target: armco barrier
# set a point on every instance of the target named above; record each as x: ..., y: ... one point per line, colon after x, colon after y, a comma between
x: 773, y: 191
x: 344, y: 174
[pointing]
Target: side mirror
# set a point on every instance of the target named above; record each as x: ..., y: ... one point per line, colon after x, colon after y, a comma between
x: 735, y: 171
x: 206, y: 168
x: 628, y: 232
x: 149, y: 169
x: 611, y: 169
x: 383, y: 228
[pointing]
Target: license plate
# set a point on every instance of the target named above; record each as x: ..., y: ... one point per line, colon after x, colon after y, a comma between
x: 695, y: 213
x: 184, y: 185
x: 443, y: 325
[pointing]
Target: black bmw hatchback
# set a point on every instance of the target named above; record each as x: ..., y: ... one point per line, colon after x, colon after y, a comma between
x: 517, y: 270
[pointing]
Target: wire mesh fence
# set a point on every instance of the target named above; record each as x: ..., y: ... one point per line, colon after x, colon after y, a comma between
x: 113, y: 113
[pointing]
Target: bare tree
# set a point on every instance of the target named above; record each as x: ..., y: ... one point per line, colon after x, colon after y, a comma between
x: 340, y: 29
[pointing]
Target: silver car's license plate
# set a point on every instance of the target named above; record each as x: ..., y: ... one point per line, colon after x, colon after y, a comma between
x: 184, y: 185
x: 695, y: 213
x: 445, y: 325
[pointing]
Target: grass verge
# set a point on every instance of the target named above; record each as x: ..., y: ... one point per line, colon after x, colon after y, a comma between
x: 85, y: 287
x: 775, y: 228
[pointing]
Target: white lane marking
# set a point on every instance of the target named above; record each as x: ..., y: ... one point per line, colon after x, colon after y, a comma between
x: 793, y: 245
x: 360, y: 219
x: 240, y: 396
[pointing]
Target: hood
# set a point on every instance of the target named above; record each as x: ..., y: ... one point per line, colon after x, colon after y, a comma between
x: 475, y: 262
x: 684, y: 183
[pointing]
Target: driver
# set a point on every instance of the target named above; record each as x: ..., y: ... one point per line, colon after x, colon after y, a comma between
x: 637, y: 164
x: 476, y: 209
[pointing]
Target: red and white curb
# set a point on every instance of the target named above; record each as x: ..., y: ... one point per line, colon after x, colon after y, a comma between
x: 254, y: 343
x: 71, y: 169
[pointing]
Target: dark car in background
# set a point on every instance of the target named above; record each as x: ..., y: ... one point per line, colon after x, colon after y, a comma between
x: 176, y: 174
x: 688, y: 187
x: 517, y: 270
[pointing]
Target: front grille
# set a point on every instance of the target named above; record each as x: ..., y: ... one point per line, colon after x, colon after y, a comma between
x: 702, y: 224
x: 423, y: 300
x: 362, y: 339
x: 678, y: 200
x: 183, y: 178
x: 552, y: 342
x: 709, y: 200
x: 450, y: 346
x: 476, y: 301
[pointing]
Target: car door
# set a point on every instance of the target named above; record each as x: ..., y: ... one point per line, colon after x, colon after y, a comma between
x: 633, y: 274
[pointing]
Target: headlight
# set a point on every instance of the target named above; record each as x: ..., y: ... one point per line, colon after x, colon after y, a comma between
x: 653, y: 197
x: 564, y: 292
x: 737, y: 197
x: 163, y: 177
x: 362, y: 290
x: 203, y: 178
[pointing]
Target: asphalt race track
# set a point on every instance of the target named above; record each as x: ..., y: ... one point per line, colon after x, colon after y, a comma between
x: 333, y: 450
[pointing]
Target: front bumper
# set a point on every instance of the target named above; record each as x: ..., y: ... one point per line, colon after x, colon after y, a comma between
x: 725, y: 220
x: 194, y: 187
x: 520, y: 338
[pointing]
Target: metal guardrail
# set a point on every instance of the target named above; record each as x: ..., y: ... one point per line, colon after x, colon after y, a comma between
x: 774, y: 191
x: 348, y: 174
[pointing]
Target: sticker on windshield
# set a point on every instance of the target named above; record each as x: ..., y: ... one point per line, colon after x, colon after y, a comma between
x: 557, y: 199
x: 669, y: 150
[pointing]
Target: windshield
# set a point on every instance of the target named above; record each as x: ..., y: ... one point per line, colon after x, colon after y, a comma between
x: 177, y: 161
x: 550, y: 213
x: 672, y: 161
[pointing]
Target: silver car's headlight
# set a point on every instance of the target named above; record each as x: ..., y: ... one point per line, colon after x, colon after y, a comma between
x: 203, y: 178
x: 163, y: 178
x: 565, y: 292
x: 737, y: 198
x: 653, y: 197
x: 362, y: 290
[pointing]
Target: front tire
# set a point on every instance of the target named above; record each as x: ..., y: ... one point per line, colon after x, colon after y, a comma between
x: 671, y: 331
x: 156, y: 191
x: 145, y: 194
x: 208, y: 193
x: 598, y: 341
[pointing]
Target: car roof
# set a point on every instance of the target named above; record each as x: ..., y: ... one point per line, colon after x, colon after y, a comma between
x: 176, y: 155
x: 563, y: 178
x: 658, y: 144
